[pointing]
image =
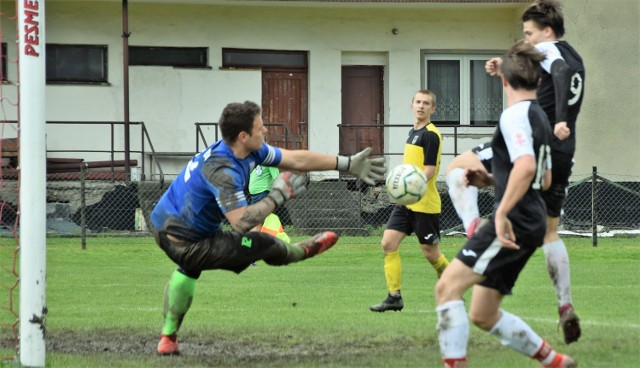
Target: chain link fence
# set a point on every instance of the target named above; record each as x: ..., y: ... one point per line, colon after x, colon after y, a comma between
x: 102, y: 204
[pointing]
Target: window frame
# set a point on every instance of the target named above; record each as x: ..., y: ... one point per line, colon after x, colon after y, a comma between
x: 202, y: 52
x: 258, y: 65
x: 102, y: 80
x: 5, y: 58
x: 465, y: 58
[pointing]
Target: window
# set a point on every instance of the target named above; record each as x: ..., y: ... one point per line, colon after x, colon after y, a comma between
x: 188, y: 57
x: 76, y: 63
x: 3, y: 62
x: 465, y: 93
x: 243, y: 58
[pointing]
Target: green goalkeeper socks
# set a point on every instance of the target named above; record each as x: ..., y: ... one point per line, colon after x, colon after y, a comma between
x: 178, y: 296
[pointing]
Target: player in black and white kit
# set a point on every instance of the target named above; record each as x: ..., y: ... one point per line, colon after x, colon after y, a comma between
x: 560, y: 94
x: 494, y: 256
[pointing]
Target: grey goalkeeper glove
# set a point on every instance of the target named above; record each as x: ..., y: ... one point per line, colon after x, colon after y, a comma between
x: 287, y: 186
x: 364, y: 167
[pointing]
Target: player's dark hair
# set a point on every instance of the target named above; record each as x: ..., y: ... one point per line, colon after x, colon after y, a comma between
x: 521, y: 66
x: 237, y: 117
x: 546, y: 13
x: 425, y: 92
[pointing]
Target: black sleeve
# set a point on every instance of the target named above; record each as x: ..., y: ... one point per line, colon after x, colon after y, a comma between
x: 431, y: 147
x: 561, y: 74
x: 220, y: 174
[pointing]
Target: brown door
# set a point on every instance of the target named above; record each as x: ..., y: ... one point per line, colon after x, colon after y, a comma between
x: 362, y: 109
x: 284, y: 107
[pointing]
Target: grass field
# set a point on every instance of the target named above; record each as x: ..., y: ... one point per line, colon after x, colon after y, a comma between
x: 105, y: 308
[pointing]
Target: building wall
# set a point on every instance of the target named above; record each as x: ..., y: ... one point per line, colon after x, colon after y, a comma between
x: 170, y: 100
x: 608, y: 37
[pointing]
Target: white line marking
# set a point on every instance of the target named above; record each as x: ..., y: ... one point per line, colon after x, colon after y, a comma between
x: 583, y: 322
x: 587, y: 323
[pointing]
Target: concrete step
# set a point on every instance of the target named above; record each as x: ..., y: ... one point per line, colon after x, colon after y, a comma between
x: 327, y: 206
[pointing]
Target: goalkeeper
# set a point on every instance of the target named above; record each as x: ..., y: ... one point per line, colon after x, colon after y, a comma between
x: 211, y: 187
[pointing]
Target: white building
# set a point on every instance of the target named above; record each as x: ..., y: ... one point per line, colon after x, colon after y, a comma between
x: 314, y: 65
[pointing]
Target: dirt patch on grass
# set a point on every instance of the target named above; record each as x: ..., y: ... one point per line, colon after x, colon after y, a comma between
x: 214, y: 350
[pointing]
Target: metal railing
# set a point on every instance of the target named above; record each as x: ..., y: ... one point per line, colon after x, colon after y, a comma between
x: 144, y: 137
x: 456, y: 135
x: 118, y: 203
x: 594, y: 205
x: 112, y: 164
x: 112, y: 204
x: 200, y: 136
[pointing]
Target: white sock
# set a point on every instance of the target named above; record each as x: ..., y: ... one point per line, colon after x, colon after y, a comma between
x: 516, y: 334
x: 453, y: 329
x: 464, y: 198
x: 557, y: 258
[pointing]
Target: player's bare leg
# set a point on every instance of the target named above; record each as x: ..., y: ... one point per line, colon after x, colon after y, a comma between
x: 557, y: 260
x: 453, y: 323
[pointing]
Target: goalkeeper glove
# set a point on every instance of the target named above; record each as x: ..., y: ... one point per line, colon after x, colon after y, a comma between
x: 287, y: 186
x: 362, y: 166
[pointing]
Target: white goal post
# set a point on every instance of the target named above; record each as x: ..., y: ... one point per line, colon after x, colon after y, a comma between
x: 32, y: 179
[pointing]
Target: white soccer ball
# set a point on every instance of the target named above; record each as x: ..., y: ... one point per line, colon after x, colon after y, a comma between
x: 406, y: 184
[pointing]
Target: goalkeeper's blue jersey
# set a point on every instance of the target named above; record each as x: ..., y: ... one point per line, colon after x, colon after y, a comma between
x: 212, y: 184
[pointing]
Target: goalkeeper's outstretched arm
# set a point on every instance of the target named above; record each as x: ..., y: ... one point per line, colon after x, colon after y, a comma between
x: 361, y: 165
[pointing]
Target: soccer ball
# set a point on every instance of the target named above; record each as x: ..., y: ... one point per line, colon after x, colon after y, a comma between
x: 406, y: 184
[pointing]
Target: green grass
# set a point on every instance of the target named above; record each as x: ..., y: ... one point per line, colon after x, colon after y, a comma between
x: 105, y: 308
